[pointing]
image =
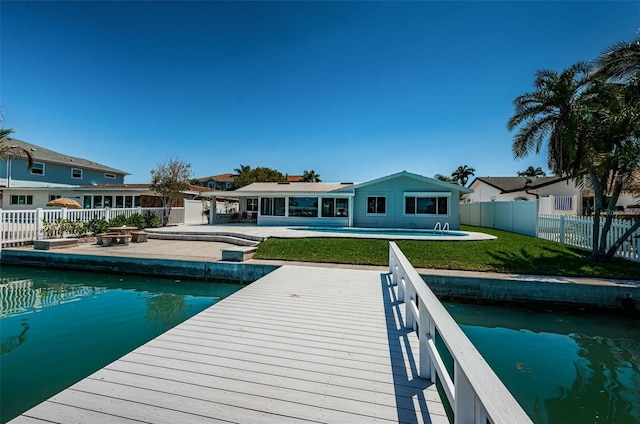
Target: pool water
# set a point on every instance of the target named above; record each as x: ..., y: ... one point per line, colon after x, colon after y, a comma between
x: 57, y: 327
x: 385, y: 231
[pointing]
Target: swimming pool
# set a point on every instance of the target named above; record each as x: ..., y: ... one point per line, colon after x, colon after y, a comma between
x: 387, y: 232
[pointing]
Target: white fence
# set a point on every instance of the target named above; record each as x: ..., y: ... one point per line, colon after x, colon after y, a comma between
x: 515, y: 216
x: 20, y: 226
x: 578, y: 231
x: 474, y: 391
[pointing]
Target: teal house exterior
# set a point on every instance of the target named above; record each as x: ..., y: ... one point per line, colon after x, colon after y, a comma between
x: 401, y: 200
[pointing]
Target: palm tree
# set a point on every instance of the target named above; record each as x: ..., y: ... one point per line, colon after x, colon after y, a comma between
x: 462, y: 174
x: 446, y: 179
x: 12, y: 150
x: 310, y: 176
x: 532, y: 172
x: 549, y: 114
x: 621, y: 61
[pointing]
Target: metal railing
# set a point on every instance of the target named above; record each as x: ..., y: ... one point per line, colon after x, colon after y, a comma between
x: 474, y: 391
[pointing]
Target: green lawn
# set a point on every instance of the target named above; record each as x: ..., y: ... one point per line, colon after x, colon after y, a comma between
x: 509, y: 253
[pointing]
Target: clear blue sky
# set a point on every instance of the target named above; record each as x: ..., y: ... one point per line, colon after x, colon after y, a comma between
x: 353, y: 90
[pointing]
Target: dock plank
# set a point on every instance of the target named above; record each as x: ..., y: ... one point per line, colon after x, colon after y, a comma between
x: 303, y: 344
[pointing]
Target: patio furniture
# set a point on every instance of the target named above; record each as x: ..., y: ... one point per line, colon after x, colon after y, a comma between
x: 244, y: 217
x: 139, y: 236
x: 254, y: 217
x: 234, y: 217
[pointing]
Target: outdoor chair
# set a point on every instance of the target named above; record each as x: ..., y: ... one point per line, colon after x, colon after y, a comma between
x: 254, y: 217
x: 244, y: 217
x: 234, y: 217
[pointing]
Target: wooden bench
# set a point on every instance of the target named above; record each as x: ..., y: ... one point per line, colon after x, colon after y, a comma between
x: 107, y: 239
x: 238, y: 253
x: 139, y: 236
x: 55, y: 243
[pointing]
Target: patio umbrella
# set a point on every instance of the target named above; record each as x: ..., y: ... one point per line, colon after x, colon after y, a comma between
x: 63, y: 202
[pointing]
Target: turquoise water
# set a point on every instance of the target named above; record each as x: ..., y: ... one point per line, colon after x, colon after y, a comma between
x: 384, y: 231
x: 57, y: 327
x: 561, y: 367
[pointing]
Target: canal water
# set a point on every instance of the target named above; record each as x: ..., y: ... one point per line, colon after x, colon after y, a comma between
x: 56, y: 327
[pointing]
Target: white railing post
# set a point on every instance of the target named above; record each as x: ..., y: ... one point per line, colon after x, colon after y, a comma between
x: 409, y: 297
x: 465, y: 398
x: 39, y: 217
x: 1, y: 228
x: 424, y: 328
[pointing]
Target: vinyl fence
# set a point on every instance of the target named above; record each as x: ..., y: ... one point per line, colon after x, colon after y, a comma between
x: 577, y: 231
x: 517, y: 217
x: 24, y: 226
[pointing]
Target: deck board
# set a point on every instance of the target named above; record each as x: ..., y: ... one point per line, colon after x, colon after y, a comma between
x: 303, y: 344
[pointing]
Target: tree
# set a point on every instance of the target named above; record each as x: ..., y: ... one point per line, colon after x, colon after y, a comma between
x: 257, y: 175
x: 591, y: 130
x: 310, y: 176
x: 169, y: 179
x: 12, y: 150
x: 621, y: 61
x: 532, y: 172
x: 462, y: 174
x: 446, y: 179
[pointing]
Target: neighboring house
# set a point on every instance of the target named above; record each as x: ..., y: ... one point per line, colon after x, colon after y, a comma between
x: 95, y: 196
x: 557, y: 195
x: 294, y: 178
x: 218, y: 182
x: 401, y: 200
x: 53, y: 169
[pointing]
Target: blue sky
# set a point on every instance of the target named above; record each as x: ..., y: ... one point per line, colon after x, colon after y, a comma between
x: 353, y: 90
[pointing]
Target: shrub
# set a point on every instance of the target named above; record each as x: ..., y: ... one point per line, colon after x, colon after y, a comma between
x: 98, y: 225
x: 137, y: 220
x: 152, y: 220
x: 118, y: 221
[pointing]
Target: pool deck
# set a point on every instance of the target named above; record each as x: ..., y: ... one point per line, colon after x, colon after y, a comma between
x: 292, y: 347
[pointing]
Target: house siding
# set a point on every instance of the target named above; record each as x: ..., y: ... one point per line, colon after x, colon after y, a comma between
x: 56, y: 174
x: 395, y: 217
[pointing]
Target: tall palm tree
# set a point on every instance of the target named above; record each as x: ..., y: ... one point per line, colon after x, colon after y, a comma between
x: 8, y: 150
x: 621, y: 61
x: 310, y: 176
x: 532, y: 172
x: 462, y: 174
x: 446, y: 179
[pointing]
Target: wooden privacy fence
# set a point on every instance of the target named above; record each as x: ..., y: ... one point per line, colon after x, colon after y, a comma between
x: 474, y: 391
x: 23, y: 226
x: 578, y: 231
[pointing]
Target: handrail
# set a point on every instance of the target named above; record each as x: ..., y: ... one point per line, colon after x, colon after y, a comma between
x: 475, y: 392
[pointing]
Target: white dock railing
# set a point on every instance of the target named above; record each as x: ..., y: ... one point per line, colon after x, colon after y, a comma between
x: 474, y: 392
x: 578, y: 231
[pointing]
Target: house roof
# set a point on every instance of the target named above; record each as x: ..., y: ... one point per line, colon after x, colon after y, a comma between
x: 294, y: 178
x: 295, y: 187
x: 418, y: 177
x: 221, y: 178
x: 514, y: 184
x: 40, y: 154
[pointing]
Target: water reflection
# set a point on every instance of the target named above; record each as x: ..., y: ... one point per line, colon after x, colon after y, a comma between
x: 561, y: 367
x: 166, y: 310
x: 22, y: 296
x: 11, y: 343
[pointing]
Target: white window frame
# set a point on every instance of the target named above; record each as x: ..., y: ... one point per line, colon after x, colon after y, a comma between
x: 33, y: 167
x: 435, y: 194
x: 26, y: 197
x: 76, y: 169
x: 386, y: 205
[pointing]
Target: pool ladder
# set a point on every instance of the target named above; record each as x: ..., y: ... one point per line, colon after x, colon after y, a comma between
x: 441, y: 228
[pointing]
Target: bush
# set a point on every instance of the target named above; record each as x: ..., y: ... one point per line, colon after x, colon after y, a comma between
x: 118, y: 221
x: 98, y: 225
x: 65, y: 227
x: 137, y: 220
x: 152, y: 220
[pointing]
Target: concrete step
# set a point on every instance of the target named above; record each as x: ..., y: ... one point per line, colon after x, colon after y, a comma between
x: 237, y: 239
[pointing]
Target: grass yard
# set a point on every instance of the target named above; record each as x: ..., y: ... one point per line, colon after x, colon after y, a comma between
x: 509, y: 253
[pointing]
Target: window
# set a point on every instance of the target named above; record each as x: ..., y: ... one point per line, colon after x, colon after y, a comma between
x: 128, y: 201
x: 252, y: 204
x: 97, y: 201
x: 21, y: 199
x: 110, y: 176
x: 76, y: 173
x: 53, y: 197
x: 107, y: 201
x: 376, y: 205
x: 119, y: 201
x: 427, y: 204
x: 272, y: 206
x: 37, y: 168
x: 303, y: 206
x: 335, y: 208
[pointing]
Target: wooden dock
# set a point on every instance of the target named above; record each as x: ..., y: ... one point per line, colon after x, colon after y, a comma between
x: 303, y: 344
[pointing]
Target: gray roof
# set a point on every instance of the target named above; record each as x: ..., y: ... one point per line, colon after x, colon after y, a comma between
x: 512, y: 184
x: 292, y: 187
x: 40, y: 154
